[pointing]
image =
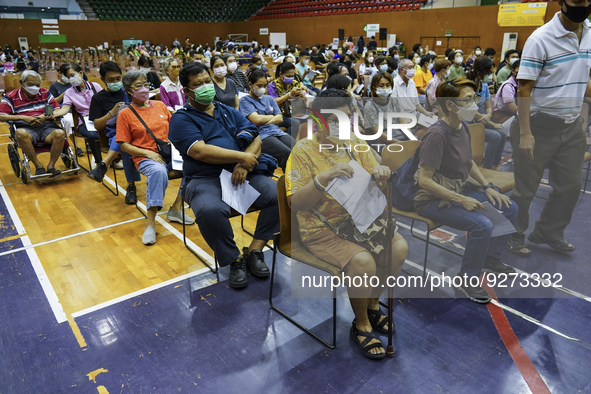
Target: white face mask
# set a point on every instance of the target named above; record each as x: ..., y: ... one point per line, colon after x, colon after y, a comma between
x: 511, y: 61
x: 417, y: 60
x: 467, y: 114
x: 65, y: 79
x: 305, y: 62
x: 32, y: 90
x: 430, y: 66
x: 397, y: 56
x: 384, y: 92
x: 76, y: 80
x: 334, y: 129
x: 445, y: 73
x: 384, y: 67
x: 260, y: 92
x: 232, y: 67
x: 478, y: 53
x: 370, y: 59
x: 458, y: 60
x: 220, y: 71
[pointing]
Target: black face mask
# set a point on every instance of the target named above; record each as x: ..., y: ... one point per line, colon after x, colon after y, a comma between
x: 347, y: 63
x: 576, y: 14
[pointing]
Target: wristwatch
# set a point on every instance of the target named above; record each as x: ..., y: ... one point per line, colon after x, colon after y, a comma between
x: 490, y: 186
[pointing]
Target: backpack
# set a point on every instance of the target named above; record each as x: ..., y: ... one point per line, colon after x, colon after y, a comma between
x: 404, y: 185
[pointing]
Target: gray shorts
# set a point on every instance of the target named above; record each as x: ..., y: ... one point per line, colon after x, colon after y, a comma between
x: 39, y: 133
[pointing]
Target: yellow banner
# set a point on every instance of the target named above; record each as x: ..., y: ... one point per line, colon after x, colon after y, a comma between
x: 527, y: 14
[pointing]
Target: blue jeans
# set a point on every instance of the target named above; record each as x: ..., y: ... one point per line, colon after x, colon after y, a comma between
x: 480, y: 244
x: 156, y: 182
x: 495, y: 143
x: 130, y: 174
x: 204, y: 195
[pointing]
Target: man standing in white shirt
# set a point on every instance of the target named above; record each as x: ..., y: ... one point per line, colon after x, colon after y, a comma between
x: 406, y: 94
x: 553, y: 79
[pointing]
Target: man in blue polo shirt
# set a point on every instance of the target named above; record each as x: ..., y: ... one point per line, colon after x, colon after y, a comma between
x: 207, y: 134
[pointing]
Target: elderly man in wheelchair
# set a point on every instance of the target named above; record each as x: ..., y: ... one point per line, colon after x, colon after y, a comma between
x: 30, y: 110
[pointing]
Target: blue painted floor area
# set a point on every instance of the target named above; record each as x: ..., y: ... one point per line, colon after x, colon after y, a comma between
x: 199, y: 337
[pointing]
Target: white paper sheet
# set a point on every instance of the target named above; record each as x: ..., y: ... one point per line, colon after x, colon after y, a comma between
x: 89, y: 124
x: 359, y: 195
x: 177, y: 159
x: 501, y: 225
x: 241, y: 94
x: 240, y: 197
x: 359, y: 88
x: 426, y: 121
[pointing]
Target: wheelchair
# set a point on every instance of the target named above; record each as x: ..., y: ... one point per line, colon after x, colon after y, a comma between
x: 22, y: 168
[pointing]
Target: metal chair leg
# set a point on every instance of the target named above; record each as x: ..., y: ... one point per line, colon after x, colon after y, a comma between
x: 427, y: 239
x: 116, y: 191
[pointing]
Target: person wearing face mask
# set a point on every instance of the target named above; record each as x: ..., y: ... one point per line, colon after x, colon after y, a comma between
x: 476, y: 53
x: 381, y: 65
x: 416, y: 59
x: 445, y: 162
x: 171, y: 90
x: 80, y: 96
x: 225, y: 89
x: 495, y: 135
x: 441, y: 71
x: 549, y: 129
x: 381, y: 101
x: 104, y: 108
x: 368, y: 67
x: 264, y: 112
x: 456, y: 69
x: 407, y: 98
x: 423, y: 76
x: 257, y: 64
x: 310, y: 170
x: 211, y: 138
x: 26, y: 108
x: 153, y: 78
x: 133, y: 123
x: 504, y: 71
x: 236, y: 74
x: 505, y: 106
x: 303, y: 70
x: 285, y: 88
x: 349, y: 60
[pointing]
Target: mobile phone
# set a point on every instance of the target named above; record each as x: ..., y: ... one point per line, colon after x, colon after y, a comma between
x: 48, y: 110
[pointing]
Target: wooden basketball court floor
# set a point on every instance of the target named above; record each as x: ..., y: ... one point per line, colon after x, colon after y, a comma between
x: 85, y: 307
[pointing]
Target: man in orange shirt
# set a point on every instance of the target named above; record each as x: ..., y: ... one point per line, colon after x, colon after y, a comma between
x: 423, y: 76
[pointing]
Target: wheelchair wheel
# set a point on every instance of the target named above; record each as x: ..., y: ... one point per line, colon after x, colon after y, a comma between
x: 14, y: 160
x: 24, y: 175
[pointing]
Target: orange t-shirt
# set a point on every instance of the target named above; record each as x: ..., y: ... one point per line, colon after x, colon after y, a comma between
x: 422, y: 79
x: 130, y: 129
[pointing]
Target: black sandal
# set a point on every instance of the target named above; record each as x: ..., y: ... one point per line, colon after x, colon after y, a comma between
x: 363, y: 345
x: 561, y: 245
x: 40, y: 171
x: 516, y: 247
x: 374, y: 317
x: 53, y: 172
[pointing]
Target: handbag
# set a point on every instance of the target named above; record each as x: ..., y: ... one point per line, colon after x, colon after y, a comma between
x: 164, y: 148
x: 373, y: 239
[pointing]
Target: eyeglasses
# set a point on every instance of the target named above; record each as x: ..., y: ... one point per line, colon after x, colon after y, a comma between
x: 141, y: 85
x: 467, y: 101
x: 175, y: 67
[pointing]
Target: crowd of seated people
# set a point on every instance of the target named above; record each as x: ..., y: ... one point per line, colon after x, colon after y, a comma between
x: 220, y: 117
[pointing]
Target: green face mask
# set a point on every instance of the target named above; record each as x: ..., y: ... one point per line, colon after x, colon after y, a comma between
x: 488, y: 78
x: 204, y: 94
x: 115, y: 86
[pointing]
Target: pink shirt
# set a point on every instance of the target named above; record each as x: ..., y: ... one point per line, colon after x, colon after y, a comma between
x: 79, y: 99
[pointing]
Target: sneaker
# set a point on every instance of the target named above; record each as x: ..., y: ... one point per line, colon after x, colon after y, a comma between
x: 255, y: 261
x: 149, y: 237
x: 118, y: 165
x: 494, y: 265
x: 474, y: 293
x: 98, y: 172
x: 131, y: 196
x: 237, y: 277
x: 79, y: 152
x: 173, y: 216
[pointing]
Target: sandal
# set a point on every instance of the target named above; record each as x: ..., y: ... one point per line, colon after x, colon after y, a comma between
x: 363, y: 345
x: 374, y: 317
x: 518, y: 248
x: 561, y: 245
x: 53, y: 172
x: 40, y: 171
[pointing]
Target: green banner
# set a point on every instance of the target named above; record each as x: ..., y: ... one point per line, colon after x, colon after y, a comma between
x: 53, y: 38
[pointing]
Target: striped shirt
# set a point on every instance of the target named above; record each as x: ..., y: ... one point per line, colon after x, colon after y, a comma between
x: 554, y: 58
x: 16, y: 103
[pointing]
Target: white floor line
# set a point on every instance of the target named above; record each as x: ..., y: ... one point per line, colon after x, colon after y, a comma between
x: 505, y: 307
x: 139, y: 292
x: 166, y: 225
x: 69, y: 236
x: 48, y: 289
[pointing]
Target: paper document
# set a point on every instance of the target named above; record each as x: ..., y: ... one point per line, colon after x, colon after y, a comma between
x: 239, y: 197
x: 359, y: 195
x: 177, y: 159
x: 241, y: 94
x: 501, y: 225
x: 89, y: 124
x: 359, y: 88
x: 178, y: 107
x: 312, y: 74
x: 426, y: 121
